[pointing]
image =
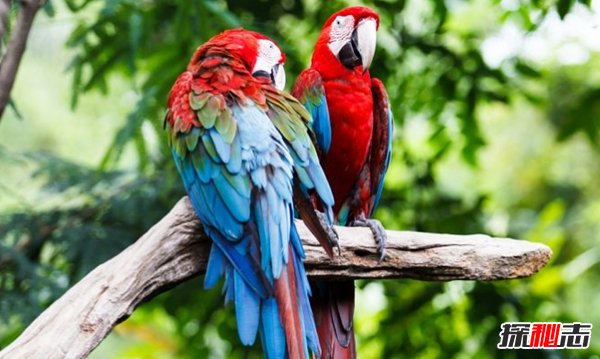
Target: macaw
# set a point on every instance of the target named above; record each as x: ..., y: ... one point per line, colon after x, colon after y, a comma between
x: 242, y: 149
x: 353, y: 124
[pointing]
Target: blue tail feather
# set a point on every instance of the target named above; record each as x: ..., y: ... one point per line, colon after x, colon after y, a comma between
x: 255, y: 279
x: 215, y: 267
x: 247, y: 310
x: 271, y: 330
x: 306, y: 315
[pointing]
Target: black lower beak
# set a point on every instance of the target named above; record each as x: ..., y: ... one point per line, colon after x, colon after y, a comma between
x: 274, y: 73
x: 271, y: 76
x: 349, y: 55
x: 262, y: 73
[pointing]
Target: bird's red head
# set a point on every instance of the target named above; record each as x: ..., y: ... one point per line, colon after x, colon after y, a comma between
x: 348, y: 37
x: 259, y: 54
x: 357, y: 12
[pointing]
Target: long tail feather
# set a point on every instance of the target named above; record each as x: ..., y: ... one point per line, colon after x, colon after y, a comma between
x: 271, y: 331
x: 287, y: 301
x: 333, y: 306
x: 287, y: 322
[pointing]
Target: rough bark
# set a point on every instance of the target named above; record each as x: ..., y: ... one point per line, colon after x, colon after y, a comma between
x: 175, y: 250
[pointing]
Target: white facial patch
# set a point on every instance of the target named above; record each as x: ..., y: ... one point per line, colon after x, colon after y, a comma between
x: 340, y: 33
x: 269, y: 51
x: 269, y: 58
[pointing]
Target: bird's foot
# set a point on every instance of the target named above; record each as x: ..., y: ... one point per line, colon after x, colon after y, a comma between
x: 378, y: 233
x: 331, y: 232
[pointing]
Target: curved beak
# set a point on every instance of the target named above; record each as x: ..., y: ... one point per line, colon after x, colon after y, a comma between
x: 366, y: 34
x: 276, y: 75
x: 359, y: 51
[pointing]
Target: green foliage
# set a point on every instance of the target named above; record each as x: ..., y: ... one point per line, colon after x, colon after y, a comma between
x: 45, y: 250
x: 477, y: 149
x: 575, y: 104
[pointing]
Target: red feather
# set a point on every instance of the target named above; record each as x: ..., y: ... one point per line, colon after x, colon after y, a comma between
x: 351, y: 112
x: 333, y: 309
x: 219, y: 72
x: 287, y: 303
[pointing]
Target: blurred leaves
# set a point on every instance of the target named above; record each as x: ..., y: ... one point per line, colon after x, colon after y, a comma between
x: 94, y: 216
x: 575, y: 104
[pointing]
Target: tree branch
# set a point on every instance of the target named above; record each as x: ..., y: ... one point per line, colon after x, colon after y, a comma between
x: 4, y: 11
x: 16, y: 47
x: 175, y: 250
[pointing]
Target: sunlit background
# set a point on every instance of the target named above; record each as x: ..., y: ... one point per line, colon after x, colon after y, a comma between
x: 497, y: 108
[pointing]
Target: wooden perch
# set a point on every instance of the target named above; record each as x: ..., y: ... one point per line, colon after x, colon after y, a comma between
x: 175, y: 250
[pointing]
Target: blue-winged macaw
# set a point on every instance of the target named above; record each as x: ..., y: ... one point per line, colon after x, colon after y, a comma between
x: 353, y: 125
x: 240, y: 144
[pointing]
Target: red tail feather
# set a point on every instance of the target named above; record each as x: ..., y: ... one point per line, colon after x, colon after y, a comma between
x: 287, y: 303
x: 333, y: 308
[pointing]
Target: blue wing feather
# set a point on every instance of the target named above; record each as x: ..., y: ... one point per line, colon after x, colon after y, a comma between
x: 234, y: 165
x: 321, y: 123
x: 240, y: 185
x: 236, y: 203
x: 204, y: 166
x: 310, y: 91
x: 209, y: 146
x: 222, y: 148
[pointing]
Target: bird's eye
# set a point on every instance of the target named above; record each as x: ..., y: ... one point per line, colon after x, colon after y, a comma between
x: 337, y: 22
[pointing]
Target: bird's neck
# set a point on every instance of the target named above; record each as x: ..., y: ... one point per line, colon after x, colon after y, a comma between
x: 330, y: 67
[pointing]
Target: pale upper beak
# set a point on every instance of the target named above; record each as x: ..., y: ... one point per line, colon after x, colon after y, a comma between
x: 278, y: 76
x: 366, y: 34
x: 275, y: 73
x: 359, y: 51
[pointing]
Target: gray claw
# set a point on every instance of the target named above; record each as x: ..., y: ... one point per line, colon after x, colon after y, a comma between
x: 331, y: 232
x: 378, y: 233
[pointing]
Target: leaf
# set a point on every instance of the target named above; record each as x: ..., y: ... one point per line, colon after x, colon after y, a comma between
x: 13, y: 106
x: 563, y: 7
x: 136, y: 23
x: 48, y: 8
x: 527, y: 70
x: 130, y: 130
x: 228, y: 18
x: 75, y: 6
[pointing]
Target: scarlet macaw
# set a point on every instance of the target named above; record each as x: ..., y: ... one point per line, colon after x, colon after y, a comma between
x: 237, y: 141
x: 353, y: 124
